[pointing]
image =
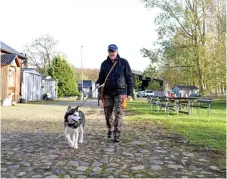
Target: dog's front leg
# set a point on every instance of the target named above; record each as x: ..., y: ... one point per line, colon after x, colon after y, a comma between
x: 67, y: 135
x: 81, y: 134
x: 76, y: 134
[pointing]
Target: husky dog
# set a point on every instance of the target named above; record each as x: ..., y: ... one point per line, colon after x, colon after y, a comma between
x: 74, y: 124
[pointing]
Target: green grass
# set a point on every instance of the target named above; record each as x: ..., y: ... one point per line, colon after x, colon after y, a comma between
x: 199, y: 130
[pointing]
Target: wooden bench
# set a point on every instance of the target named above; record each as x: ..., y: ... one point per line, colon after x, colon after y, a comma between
x: 202, y: 103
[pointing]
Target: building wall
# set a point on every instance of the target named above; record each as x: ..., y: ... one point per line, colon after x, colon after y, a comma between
x: 176, y: 90
x: 17, y: 84
x: 4, y: 81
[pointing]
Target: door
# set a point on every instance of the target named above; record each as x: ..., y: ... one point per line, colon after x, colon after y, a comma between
x: 11, y: 81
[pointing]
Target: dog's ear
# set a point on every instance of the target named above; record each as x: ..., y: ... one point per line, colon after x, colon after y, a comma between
x: 77, y: 108
x: 69, y: 109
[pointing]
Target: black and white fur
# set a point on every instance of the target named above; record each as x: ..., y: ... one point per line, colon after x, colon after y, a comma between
x: 74, y: 125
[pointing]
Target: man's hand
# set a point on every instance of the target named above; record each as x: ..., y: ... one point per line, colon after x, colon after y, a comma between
x: 97, y: 85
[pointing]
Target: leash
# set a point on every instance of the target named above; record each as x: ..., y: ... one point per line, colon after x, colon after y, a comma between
x: 88, y: 95
x: 99, y: 86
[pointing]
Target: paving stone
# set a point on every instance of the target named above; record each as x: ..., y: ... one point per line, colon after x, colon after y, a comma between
x: 200, y: 176
x: 3, y: 169
x: 203, y: 160
x: 108, y: 149
x: 113, y: 165
x: 110, y: 176
x: 52, y: 176
x: 124, y: 176
x: 37, y: 176
x: 110, y: 169
x: 127, y: 154
x: 161, y: 151
x: 52, y: 156
x: 153, y: 158
x: 176, y: 167
x: 138, y: 167
x: 214, y: 168
x: 21, y: 174
x: 156, y: 167
x: 156, y: 162
x: 48, y: 173
x: 96, y: 169
x: 73, y: 163
x: 14, y: 166
x: 139, y: 175
x: 82, y: 168
x: 187, y: 154
x: 81, y: 176
x: 25, y: 164
x: 96, y: 164
x: 138, y: 143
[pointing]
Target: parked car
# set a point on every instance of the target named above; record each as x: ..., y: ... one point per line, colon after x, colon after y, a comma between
x: 148, y: 93
x: 140, y: 94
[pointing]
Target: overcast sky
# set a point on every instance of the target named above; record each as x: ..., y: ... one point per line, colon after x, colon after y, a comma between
x: 92, y: 23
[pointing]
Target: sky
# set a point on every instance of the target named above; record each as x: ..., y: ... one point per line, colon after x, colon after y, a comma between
x: 93, y: 24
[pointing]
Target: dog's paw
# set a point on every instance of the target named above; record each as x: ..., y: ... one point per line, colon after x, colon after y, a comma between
x: 71, y: 145
x: 80, y: 141
x: 75, y: 147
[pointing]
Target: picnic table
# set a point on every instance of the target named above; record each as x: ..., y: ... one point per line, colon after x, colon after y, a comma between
x: 181, y: 104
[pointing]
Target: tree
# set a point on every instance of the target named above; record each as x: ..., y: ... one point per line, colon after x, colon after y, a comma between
x: 137, y: 82
x: 61, y: 70
x: 88, y: 74
x: 40, y: 52
x: 154, y: 85
x: 191, y: 41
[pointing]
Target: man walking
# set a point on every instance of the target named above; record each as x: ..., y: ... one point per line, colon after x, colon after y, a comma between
x: 118, y: 86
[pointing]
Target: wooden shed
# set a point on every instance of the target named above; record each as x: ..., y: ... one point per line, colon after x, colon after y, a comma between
x: 182, y: 91
x: 31, y: 85
x: 11, y: 70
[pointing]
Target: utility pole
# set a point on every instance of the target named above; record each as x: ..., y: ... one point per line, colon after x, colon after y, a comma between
x: 81, y: 56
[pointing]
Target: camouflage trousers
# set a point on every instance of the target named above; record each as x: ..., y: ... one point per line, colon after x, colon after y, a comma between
x: 113, y: 104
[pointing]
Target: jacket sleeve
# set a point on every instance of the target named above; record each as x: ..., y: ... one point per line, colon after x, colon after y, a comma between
x: 101, y: 78
x: 129, y: 79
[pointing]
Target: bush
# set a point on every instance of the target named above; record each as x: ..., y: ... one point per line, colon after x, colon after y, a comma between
x: 60, y: 69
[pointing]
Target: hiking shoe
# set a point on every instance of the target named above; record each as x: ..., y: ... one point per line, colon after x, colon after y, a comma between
x: 110, y: 134
x: 116, y: 139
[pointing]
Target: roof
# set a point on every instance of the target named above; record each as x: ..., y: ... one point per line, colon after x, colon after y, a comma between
x: 7, y: 49
x: 187, y: 87
x: 86, y: 84
x: 137, y: 72
x: 31, y: 70
x: 7, y: 59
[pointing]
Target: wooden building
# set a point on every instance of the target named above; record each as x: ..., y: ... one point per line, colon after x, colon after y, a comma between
x: 183, y: 91
x: 11, y: 70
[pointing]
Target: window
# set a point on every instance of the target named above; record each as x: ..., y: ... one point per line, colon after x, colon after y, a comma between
x: 11, y: 77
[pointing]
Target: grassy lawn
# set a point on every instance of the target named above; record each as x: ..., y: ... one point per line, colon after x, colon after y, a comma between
x: 199, y: 130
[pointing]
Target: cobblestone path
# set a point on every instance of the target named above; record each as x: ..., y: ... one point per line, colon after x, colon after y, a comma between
x: 33, y: 146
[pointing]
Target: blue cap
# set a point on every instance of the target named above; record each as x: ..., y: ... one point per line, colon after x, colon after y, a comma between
x: 112, y: 47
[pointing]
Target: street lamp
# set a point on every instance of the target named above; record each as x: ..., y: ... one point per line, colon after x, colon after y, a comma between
x: 82, y: 94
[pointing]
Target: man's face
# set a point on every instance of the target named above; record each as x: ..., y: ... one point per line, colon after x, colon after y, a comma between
x: 113, y: 54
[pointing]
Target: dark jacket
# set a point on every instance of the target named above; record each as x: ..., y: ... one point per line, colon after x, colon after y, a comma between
x: 120, y: 80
